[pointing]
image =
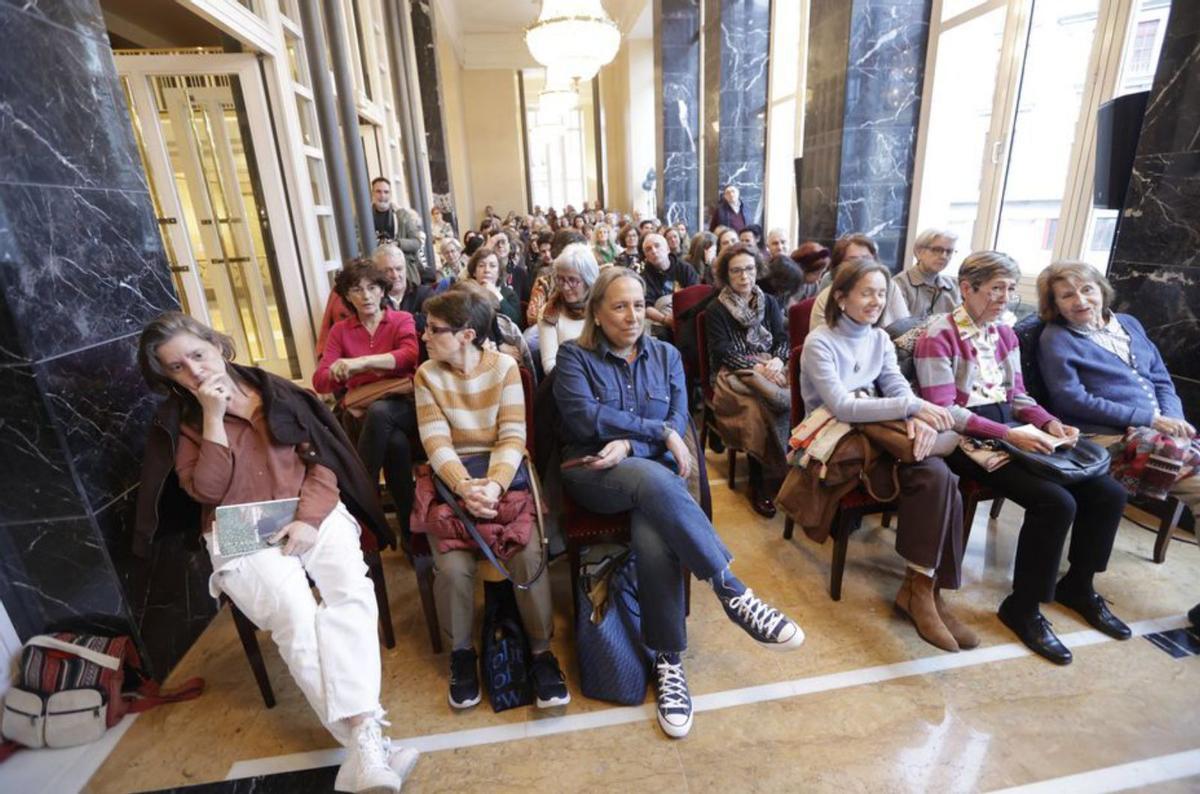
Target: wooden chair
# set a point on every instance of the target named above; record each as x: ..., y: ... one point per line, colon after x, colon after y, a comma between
x: 708, y: 419
x: 247, y: 631
x: 421, y: 556
x: 585, y: 528
x: 1169, y: 512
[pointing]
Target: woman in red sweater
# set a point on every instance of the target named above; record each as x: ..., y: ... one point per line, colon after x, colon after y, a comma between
x: 374, y: 344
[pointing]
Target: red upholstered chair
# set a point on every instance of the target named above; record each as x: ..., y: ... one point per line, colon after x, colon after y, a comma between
x: 708, y: 421
x: 420, y: 554
x: 799, y: 315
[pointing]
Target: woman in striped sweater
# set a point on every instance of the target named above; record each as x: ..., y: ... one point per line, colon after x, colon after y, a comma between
x: 470, y: 402
x: 970, y: 362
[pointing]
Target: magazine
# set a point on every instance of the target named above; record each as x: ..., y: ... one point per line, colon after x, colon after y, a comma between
x: 246, y: 528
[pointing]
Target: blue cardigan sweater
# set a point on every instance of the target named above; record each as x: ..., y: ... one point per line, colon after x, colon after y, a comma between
x: 1091, y: 388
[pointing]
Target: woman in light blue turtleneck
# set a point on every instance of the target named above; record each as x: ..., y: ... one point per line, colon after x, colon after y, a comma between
x: 849, y: 367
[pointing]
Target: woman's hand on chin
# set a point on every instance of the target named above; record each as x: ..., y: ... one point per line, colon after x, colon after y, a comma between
x: 214, y: 395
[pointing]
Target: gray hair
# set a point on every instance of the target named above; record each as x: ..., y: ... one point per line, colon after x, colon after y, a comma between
x: 982, y: 266
x: 387, y: 251
x: 578, y: 258
x: 926, y: 237
x: 777, y: 232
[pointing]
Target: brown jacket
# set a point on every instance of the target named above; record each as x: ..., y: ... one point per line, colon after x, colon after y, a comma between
x: 296, y: 417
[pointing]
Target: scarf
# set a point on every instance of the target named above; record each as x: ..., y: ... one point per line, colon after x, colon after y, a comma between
x: 749, y: 313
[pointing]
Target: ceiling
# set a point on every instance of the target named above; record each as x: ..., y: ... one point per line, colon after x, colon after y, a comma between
x: 499, y: 16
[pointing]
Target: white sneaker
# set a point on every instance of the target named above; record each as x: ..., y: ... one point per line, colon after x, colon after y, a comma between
x: 402, y: 759
x: 366, y: 769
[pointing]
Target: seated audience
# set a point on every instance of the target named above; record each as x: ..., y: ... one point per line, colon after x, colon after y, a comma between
x: 504, y: 335
x: 849, y: 367
x: 602, y: 245
x: 624, y: 451
x: 813, y: 260
x: 747, y: 352
x: 777, y: 243
x: 752, y: 235
x: 440, y: 227
x: 484, y: 268
x: 512, y: 271
x: 453, y: 261
x: 702, y: 252
x: 923, y: 286
x: 663, y: 274
x: 631, y: 254
x: 470, y: 403
x: 402, y: 296
x: 852, y: 246
x: 236, y: 435
x: 671, y: 235
x: 375, y: 344
x: 970, y: 362
x: 575, y: 271
x: 1104, y: 375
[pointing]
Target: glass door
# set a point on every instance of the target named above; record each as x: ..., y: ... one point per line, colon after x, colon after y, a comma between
x: 198, y: 153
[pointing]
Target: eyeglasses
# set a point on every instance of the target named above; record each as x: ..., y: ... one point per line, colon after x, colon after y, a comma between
x: 364, y: 290
x: 568, y: 281
x: 742, y: 271
x: 940, y: 251
x: 440, y: 329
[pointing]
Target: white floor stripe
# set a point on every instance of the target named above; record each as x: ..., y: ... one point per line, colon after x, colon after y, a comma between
x: 1135, y: 774
x: 709, y: 702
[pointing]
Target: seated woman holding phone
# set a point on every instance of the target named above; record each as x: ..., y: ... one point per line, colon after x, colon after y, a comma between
x: 969, y: 361
x: 237, y: 435
x: 622, y: 399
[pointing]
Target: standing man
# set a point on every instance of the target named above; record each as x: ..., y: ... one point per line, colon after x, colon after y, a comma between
x: 392, y: 225
x: 729, y: 211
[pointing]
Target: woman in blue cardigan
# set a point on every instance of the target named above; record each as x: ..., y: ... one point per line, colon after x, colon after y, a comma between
x: 1102, y: 372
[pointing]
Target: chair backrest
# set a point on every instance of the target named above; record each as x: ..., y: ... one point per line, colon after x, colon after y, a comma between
x: 682, y: 303
x: 797, y: 414
x: 1029, y: 331
x: 702, y: 350
x: 799, y: 320
x: 688, y: 297
x: 527, y: 388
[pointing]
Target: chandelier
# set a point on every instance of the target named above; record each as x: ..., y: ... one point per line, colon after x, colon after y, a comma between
x: 558, y: 95
x: 574, y: 36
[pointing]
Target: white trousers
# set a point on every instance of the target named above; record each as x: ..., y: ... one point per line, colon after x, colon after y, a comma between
x: 331, y: 648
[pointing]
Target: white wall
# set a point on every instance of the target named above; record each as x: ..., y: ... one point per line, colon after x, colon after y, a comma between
x: 639, y: 125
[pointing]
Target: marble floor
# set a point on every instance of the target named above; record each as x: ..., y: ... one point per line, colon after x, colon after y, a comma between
x: 864, y: 705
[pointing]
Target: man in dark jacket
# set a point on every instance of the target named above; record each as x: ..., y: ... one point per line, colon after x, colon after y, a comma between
x: 729, y: 211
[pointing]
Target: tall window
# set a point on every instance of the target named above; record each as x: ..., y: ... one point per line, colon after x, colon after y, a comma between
x: 556, y: 153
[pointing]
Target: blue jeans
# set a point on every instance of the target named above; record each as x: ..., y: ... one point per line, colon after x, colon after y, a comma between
x: 668, y: 531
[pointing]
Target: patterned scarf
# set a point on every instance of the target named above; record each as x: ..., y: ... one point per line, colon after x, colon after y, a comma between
x: 749, y: 313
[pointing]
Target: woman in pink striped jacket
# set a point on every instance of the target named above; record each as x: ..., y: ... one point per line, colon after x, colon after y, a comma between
x: 970, y: 362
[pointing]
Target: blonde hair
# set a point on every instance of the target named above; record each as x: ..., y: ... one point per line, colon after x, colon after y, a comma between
x: 1069, y: 270
x: 592, y: 334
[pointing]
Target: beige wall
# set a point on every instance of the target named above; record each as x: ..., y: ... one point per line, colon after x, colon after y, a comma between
x: 640, y: 123
x: 450, y: 73
x: 614, y: 97
x: 493, y: 141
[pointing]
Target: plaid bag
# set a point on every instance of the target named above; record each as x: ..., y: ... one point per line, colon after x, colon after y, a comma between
x: 1147, y: 462
x: 74, y: 687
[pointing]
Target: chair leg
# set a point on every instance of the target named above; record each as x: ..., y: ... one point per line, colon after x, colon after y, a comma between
x: 687, y: 592
x: 732, y: 469
x: 245, y: 630
x: 703, y: 430
x: 970, y: 505
x: 423, y: 565
x: 375, y: 567
x: 788, y: 526
x: 573, y: 560
x: 1166, y: 527
x: 841, y: 541
x: 997, y: 503
x: 887, y: 520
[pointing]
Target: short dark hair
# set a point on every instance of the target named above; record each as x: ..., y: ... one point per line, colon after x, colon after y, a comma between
x: 480, y: 255
x: 355, y: 271
x: 379, y: 179
x: 843, y: 243
x: 465, y: 305
x: 625, y: 230
x: 721, y: 266
x: 844, y: 280
x: 163, y: 329
x: 783, y: 276
x: 562, y: 238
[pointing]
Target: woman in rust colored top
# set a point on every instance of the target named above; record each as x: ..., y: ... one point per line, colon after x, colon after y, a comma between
x: 226, y: 454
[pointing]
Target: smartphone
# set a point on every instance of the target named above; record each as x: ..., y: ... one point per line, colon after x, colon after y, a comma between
x: 575, y: 463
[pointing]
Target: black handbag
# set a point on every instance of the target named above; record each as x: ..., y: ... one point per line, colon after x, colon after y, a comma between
x: 506, y: 656
x: 1065, y: 465
x: 614, y: 662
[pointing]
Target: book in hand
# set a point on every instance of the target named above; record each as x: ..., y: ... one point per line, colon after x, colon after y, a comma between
x: 247, y: 528
x: 1054, y: 441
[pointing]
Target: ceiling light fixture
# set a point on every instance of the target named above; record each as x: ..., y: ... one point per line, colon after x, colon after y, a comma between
x: 575, y: 36
x: 558, y: 95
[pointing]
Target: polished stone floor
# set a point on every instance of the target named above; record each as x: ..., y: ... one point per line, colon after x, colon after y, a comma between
x: 864, y: 705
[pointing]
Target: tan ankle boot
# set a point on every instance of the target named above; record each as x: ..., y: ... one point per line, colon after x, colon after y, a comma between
x: 915, y: 600
x: 963, y: 635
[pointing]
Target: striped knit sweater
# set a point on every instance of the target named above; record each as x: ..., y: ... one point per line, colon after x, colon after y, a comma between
x: 947, y: 371
x: 483, y: 412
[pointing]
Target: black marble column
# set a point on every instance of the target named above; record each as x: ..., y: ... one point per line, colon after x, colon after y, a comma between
x: 866, y: 64
x: 425, y: 44
x: 737, y: 39
x: 677, y: 53
x: 1156, y: 261
x: 81, y: 270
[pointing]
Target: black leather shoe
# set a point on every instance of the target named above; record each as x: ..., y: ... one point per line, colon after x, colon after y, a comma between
x: 1194, y: 616
x: 1034, y: 630
x: 1094, y: 610
x: 763, y: 505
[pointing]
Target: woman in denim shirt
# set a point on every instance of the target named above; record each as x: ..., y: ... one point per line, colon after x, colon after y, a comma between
x: 623, y: 403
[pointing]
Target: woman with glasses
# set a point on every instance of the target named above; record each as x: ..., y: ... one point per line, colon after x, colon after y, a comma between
x: 631, y: 248
x: 575, y: 271
x: 747, y: 352
x: 470, y: 403
x: 484, y: 269
x: 970, y: 362
x: 924, y: 288
x: 374, y: 343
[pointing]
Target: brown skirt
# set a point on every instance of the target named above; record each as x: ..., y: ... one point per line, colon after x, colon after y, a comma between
x: 746, y: 421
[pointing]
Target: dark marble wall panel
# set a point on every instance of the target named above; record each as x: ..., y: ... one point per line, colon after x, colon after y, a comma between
x: 677, y: 36
x: 742, y: 144
x: 424, y: 41
x: 825, y: 76
x: 1155, y: 267
x: 81, y: 270
x: 710, y: 188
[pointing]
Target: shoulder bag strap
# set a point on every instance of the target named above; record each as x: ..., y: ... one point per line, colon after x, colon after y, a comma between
x: 95, y: 657
x: 869, y: 458
x: 469, y: 524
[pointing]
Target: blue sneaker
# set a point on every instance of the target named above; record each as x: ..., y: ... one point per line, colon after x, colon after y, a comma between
x: 674, y: 700
x: 766, y: 624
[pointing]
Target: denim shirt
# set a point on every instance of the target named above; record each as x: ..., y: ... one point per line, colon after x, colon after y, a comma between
x: 602, y: 397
